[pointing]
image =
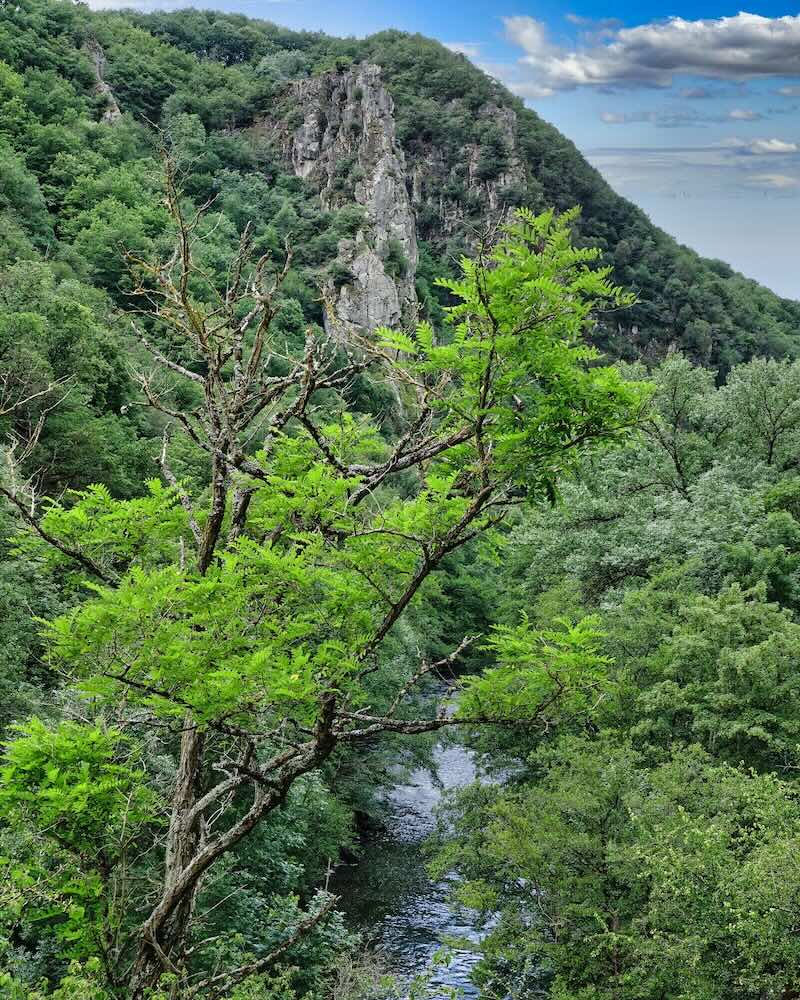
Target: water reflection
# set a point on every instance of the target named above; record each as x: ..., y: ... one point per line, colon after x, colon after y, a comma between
x: 388, y: 894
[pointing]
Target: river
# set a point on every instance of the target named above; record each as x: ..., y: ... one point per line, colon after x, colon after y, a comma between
x: 388, y: 895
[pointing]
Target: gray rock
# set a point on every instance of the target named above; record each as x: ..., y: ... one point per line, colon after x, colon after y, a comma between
x: 346, y: 145
x: 97, y: 56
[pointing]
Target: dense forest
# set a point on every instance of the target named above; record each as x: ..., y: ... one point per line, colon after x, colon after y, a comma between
x: 333, y: 431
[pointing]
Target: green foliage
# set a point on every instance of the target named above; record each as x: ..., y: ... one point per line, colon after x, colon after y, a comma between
x: 138, y: 532
x: 66, y: 781
x: 534, y: 310
x: 195, y: 658
x: 561, y: 666
x: 494, y: 156
x: 82, y: 982
x: 760, y: 401
x: 55, y: 328
x: 223, y: 68
x: 27, y: 594
x: 653, y: 593
x: 75, y: 810
x: 394, y: 261
x: 444, y: 103
x: 631, y: 883
x: 719, y: 672
x: 190, y: 643
x: 20, y: 195
x: 647, y: 840
x: 282, y: 621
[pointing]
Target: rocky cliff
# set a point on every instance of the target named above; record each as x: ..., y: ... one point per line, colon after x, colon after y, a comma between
x: 433, y: 153
x: 338, y: 131
x: 447, y: 189
x: 101, y: 89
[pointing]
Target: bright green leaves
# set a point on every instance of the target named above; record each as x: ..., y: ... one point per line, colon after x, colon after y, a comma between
x: 70, y: 779
x: 560, y: 669
x: 518, y: 360
x: 635, y: 864
x: 395, y: 340
x: 310, y: 552
x: 267, y: 629
x: 288, y: 612
x: 83, y: 981
x: 76, y: 800
x: 305, y: 494
x: 116, y: 533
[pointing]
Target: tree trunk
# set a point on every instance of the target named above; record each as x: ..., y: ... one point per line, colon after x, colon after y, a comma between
x: 216, y: 515
x: 165, y: 934
x: 164, y: 949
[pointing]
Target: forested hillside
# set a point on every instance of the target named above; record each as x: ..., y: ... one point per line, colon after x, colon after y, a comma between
x: 311, y: 457
x: 649, y: 847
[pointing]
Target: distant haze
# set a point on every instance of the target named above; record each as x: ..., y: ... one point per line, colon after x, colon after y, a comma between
x: 751, y: 235
x: 756, y: 232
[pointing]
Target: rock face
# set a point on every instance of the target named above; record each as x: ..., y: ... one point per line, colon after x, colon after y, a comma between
x: 338, y: 131
x: 112, y: 113
x: 443, y: 188
x: 346, y: 145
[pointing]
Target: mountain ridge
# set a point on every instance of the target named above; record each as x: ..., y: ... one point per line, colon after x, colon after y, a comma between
x: 471, y: 147
x: 464, y: 149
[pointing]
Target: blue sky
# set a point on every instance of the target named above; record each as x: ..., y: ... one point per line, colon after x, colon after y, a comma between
x: 692, y: 112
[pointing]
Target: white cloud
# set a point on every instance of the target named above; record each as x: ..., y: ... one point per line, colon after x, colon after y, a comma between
x: 472, y: 50
x: 603, y: 24
x: 526, y: 88
x: 592, y: 31
x: 614, y: 118
x: 697, y: 93
x: 778, y: 182
x: 762, y: 147
x: 789, y: 91
x: 743, y: 47
x: 672, y: 117
x: 664, y: 119
x: 726, y: 170
x: 744, y: 115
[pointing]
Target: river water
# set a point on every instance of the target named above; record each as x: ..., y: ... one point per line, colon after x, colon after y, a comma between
x: 388, y: 895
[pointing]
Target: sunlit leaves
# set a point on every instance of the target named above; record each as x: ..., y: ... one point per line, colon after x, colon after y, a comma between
x: 120, y: 533
x: 70, y: 777
x: 320, y: 534
x: 518, y: 354
x: 267, y: 629
x: 395, y: 340
x: 75, y: 795
x: 559, y: 669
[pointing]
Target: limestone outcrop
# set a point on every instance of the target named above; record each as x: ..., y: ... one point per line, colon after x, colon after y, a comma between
x: 339, y: 134
x: 101, y: 88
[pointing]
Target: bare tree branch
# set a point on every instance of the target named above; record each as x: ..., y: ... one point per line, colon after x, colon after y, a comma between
x: 183, y: 496
x: 80, y: 557
x: 222, y: 982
